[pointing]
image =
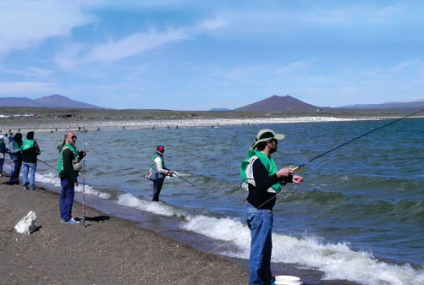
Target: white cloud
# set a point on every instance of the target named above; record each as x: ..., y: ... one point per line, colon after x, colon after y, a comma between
x: 213, y: 24
x: 133, y: 45
x: 390, y: 11
x: 292, y: 67
x: 30, y: 72
x: 402, y: 65
x: 40, y: 71
x: 24, y: 23
x: 68, y: 58
x: 28, y: 87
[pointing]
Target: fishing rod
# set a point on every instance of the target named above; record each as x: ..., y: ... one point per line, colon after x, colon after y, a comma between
x: 38, y: 125
x: 83, y: 183
x: 190, y: 183
x: 354, y: 139
x: 46, y: 163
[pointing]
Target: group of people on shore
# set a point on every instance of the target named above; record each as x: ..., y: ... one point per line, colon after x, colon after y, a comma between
x: 258, y: 171
x: 23, y: 155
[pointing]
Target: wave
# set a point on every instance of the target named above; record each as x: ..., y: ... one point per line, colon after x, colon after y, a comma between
x: 52, y: 179
x: 337, y: 261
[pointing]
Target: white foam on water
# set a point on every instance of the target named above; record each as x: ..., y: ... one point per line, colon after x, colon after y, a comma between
x: 337, y: 261
x: 52, y: 179
x: 130, y: 200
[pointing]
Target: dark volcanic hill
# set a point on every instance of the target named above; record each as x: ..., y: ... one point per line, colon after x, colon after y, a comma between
x: 278, y: 103
x: 53, y: 101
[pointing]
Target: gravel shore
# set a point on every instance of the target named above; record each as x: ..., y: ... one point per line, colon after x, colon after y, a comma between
x: 108, y: 251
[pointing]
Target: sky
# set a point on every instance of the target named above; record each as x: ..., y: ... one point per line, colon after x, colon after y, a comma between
x: 198, y: 55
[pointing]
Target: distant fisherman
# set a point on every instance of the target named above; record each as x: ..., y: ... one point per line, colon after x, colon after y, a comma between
x: 3, y: 150
x: 69, y: 166
x: 15, y: 152
x: 159, y: 172
x: 30, y: 151
x: 264, y: 179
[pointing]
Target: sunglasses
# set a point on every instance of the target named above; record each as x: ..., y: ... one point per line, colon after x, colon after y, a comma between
x: 74, y: 137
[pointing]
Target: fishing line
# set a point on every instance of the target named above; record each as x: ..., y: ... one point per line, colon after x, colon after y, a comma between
x: 354, y: 139
x: 46, y: 163
x: 39, y: 123
x: 191, y: 183
x: 83, y: 182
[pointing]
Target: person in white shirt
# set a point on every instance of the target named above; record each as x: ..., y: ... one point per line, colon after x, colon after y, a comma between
x: 159, y: 172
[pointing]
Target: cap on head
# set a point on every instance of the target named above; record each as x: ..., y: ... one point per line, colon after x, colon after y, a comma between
x: 265, y: 135
x: 18, y: 136
x: 160, y: 148
x: 30, y: 135
x: 1, y: 137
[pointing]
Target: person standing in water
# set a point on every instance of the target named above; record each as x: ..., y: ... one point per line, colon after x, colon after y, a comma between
x: 69, y: 166
x: 159, y: 172
x: 259, y: 171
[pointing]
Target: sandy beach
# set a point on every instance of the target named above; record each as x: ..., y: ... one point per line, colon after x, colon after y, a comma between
x: 108, y: 251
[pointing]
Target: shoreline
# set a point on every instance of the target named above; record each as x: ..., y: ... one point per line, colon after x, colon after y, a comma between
x: 142, y: 255
x: 41, y: 125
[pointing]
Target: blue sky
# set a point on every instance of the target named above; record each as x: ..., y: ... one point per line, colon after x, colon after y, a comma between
x: 197, y: 55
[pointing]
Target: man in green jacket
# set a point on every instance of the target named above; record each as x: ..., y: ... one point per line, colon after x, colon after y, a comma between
x: 69, y: 166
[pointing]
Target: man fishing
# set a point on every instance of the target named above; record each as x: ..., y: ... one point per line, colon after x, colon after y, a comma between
x: 159, y: 172
x: 15, y: 153
x: 30, y: 151
x: 259, y: 171
x: 3, y: 151
x: 69, y: 166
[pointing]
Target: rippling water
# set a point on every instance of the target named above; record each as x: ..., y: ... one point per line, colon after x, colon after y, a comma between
x: 362, y: 201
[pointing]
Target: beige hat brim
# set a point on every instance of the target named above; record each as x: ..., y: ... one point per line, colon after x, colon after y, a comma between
x: 277, y: 137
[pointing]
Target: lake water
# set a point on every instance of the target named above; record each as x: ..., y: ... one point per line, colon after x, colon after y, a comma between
x: 359, y: 215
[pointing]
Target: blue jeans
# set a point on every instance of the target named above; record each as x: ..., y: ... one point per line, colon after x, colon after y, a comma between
x: 1, y: 164
x: 14, y: 172
x: 28, y: 167
x: 66, y: 199
x: 260, y: 224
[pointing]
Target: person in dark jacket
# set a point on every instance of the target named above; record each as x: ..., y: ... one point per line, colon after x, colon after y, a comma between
x: 69, y: 165
x: 263, y: 178
x: 3, y: 151
x: 15, y: 153
x: 30, y: 151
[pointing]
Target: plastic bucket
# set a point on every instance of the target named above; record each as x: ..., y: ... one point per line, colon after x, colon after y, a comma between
x: 287, y: 280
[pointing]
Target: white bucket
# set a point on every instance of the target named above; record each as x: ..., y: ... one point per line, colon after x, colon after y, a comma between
x: 287, y: 280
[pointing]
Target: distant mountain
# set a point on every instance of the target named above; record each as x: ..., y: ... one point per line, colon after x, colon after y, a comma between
x: 19, y: 102
x: 278, y: 103
x: 219, y: 109
x: 54, y: 101
x: 388, y: 106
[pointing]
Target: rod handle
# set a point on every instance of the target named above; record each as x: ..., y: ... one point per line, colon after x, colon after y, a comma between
x: 295, y: 168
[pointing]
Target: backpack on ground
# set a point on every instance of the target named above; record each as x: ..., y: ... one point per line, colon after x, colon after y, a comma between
x: 27, y: 224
